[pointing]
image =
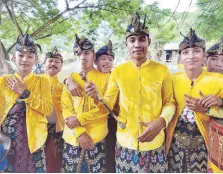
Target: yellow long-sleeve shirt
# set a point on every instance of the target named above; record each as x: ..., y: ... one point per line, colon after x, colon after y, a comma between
x: 57, y: 89
x: 209, y: 84
x: 73, y: 106
x: 38, y: 106
x: 145, y: 94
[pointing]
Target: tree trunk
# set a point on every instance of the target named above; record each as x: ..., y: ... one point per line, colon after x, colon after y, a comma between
x: 5, y: 67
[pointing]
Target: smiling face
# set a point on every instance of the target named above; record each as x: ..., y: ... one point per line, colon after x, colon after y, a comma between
x: 138, y: 46
x: 192, y: 58
x: 53, y: 66
x: 215, y: 63
x: 24, y: 61
x: 104, y: 63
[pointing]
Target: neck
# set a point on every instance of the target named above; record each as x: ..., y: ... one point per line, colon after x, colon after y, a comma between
x: 193, y: 74
x: 87, y: 69
x: 23, y: 74
x: 139, y: 62
x: 51, y: 75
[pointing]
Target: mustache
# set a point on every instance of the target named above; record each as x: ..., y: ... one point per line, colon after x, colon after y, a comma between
x: 53, y: 67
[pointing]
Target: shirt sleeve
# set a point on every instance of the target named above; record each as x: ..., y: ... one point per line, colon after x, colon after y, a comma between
x: 216, y: 111
x: 41, y: 102
x: 100, y: 111
x: 69, y: 110
x: 167, y: 97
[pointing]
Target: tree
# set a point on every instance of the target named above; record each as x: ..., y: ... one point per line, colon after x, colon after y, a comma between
x: 43, y: 20
x: 210, y: 20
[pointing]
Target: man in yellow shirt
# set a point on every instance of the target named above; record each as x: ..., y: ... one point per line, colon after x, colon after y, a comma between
x: 104, y: 62
x: 54, y: 146
x: 187, y: 133
x: 214, y: 62
x: 146, y: 105
x: 84, y: 149
x: 25, y: 101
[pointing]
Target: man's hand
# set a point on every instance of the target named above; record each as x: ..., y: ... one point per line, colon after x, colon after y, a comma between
x: 72, y: 122
x: 209, y: 100
x: 152, y: 130
x: 85, y: 141
x: 74, y: 88
x: 192, y: 104
x: 16, y: 85
x: 91, y: 90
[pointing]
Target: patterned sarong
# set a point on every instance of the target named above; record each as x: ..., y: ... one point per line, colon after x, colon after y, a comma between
x: 76, y: 160
x: 19, y: 157
x: 184, y: 160
x: 54, y: 150
x: 134, y: 161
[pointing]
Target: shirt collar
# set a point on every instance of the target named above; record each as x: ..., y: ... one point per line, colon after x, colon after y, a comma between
x: 143, y: 65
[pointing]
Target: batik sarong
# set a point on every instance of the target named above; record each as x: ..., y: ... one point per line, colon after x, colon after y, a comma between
x: 191, y: 158
x: 134, y: 161
x: 20, y: 160
x: 76, y: 160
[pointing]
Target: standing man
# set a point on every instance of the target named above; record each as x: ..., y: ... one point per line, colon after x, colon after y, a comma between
x: 146, y: 105
x: 54, y: 146
x: 187, y: 134
x: 214, y: 62
x: 104, y: 62
x: 84, y: 149
x: 25, y: 101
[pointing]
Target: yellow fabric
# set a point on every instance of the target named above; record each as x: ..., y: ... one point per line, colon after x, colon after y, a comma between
x: 38, y: 105
x: 74, y: 106
x: 209, y: 84
x: 145, y: 94
x: 214, y: 168
x: 57, y: 89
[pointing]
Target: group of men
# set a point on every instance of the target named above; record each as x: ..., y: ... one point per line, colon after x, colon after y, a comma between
x: 162, y: 120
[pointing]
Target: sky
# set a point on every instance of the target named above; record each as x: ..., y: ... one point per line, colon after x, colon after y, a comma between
x: 171, y: 4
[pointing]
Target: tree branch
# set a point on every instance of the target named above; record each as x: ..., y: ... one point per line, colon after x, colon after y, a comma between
x: 51, y: 21
x: 43, y: 37
x: 13, y: 18
x: 67, y: 4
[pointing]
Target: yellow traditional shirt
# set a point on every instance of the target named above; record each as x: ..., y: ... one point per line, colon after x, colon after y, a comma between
x: 57, y: 89
x: 38, y: 106
x: 145, y: 94
x: 209, y: 84
x: 74, y: 106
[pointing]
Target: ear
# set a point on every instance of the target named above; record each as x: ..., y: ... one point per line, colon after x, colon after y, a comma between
x: 94, y: 56
x: 36, y: 59
x: 149, y: 41
x: 126, y: 43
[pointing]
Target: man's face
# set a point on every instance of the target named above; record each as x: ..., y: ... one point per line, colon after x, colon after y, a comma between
x: 105, y: 63
x: 138, y: 46
x: 87, y: 59
x: 215, y: 63
x: 192, y: 58
x: 53, y: 66
x: 24, y: 61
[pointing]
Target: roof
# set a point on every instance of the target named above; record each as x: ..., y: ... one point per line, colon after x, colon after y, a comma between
x: 171, y: 46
